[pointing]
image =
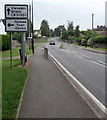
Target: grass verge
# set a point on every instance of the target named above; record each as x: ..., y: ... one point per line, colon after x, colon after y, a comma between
x: 0, y: 89
x: 45, y: 41
x: 15, y: 52
x: 38, y: 46
x: 101, y: 49
x: 12, y: 85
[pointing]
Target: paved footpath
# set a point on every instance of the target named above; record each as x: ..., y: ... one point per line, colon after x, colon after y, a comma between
x: 48, y: 94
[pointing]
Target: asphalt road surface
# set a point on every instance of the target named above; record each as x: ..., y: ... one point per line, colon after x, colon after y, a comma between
x: 86, y: 66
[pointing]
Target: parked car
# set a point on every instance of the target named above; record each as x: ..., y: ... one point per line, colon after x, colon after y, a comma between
x: 52, y: 42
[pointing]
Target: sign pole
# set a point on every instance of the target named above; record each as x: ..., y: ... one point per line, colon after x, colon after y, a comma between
x: 11, y: 50
x: 32, y: 31
x: 17, y: 21
x: 23, y: 48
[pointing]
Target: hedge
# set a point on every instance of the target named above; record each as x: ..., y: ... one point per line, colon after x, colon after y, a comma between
x: 5, y: 42
x: 79, y: 39
x: 100, y: 39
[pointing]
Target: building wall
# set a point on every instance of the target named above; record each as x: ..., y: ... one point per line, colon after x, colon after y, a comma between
x: 2, y: 28
x: 98, y: 45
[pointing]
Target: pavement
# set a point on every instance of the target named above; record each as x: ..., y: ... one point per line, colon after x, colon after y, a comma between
x: 48, y: 93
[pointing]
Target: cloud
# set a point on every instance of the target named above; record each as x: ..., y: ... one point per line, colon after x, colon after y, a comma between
x: 59, y: 11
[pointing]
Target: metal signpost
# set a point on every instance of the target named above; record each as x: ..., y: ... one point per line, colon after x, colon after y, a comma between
x: 32, y: 31
x: 11, y: 50
x: 16, y: 21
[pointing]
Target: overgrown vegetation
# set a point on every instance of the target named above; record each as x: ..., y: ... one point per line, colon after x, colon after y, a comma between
x: 100, y: 39
x: 84, y: 38
x: 17, y: 36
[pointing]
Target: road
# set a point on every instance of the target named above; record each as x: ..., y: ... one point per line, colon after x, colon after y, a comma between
x: 86, y: 66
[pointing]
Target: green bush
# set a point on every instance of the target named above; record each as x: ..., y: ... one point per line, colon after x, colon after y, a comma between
x: 65, y: 35
x: 5, y: 42
x: 100, y: 39
x: 17, y: 36
x: 89, y: 42
x: 79, y: 39
x: 84, y: 42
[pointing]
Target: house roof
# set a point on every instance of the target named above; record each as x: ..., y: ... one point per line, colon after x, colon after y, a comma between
x: 82, y: 35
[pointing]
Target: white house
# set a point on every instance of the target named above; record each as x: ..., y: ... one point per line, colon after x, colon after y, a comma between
x: 2, y: 28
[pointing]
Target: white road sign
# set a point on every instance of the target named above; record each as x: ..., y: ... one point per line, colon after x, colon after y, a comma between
x: 16, y: 25
x: 16, y: 11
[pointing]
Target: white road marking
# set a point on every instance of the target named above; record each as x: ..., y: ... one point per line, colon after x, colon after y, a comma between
x: 85, y: 57
x: 70, y: 77
x: 98, y: 63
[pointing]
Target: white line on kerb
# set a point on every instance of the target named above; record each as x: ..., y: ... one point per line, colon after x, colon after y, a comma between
x: 90, y: 95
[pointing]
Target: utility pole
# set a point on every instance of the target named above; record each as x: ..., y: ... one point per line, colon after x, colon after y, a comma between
x: 92, y: 29
x: 32, y: 31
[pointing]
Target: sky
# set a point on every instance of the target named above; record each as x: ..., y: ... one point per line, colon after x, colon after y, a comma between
x: 59, y: 12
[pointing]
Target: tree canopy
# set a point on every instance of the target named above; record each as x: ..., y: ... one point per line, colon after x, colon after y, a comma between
x: 70, y: 26
x: 59, y: 30
x: 44, y: 28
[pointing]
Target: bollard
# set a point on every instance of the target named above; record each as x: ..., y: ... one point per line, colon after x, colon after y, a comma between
x: 46, y: 51
x: 20, y: 53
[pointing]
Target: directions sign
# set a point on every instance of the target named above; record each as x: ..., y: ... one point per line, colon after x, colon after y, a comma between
x: 16, y: 11
x: 16, y: 25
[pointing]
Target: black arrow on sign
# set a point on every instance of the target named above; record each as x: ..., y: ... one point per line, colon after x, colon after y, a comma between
x: 9, y: 25
x: 8, y: 10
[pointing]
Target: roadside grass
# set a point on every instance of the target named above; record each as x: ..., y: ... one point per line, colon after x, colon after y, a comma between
x: 28, y: 51
x: 38, y: 46
x: 45, y: 41
x: 15, y: 52
x: 0, y: 89
x: 101, y: 49
x: 12, y: 85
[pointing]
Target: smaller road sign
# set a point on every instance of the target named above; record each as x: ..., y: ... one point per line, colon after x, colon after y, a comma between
x: 16, y: 25
x: 16, y: 11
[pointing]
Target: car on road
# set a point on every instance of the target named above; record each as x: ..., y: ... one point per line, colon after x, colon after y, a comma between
x: 52, y: 42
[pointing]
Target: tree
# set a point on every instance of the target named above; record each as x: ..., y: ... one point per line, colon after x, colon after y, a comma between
x: 65, y: 35
x: 77, y: 31
x: 52, y: 33
x: 59, y: 30
x: 70, y: 26
x: 44, y: 28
